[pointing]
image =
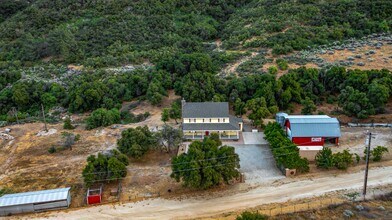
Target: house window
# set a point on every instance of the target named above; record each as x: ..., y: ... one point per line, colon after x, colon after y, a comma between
x: 210, y: 119
x: 189, y: 120
x: 218, y: 119
x: 223, y: 120
x: 194, y: 120
x: 203, y: 119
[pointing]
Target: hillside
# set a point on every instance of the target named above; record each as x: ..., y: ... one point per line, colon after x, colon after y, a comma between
x: 78, y: 54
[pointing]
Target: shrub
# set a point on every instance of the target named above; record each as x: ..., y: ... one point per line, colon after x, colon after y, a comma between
x: 272, y: 70
x: 282, y: 64
x: 67, y: 124
x: 103, y: 117
x: 52, y: 150
x: 378, y: 152
x: 324, y: 158
x: 342, y: 159
x: 251, y: 216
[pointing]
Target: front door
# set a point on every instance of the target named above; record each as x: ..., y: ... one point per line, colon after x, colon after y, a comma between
x: 207, y: 133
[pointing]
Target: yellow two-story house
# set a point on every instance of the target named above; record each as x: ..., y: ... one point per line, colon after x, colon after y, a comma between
x: 201, y: 119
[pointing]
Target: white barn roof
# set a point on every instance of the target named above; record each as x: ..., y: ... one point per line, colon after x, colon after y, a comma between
x: 314, y: 127
x: 34, y: 197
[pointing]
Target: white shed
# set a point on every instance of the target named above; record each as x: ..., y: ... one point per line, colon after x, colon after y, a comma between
x: 35, y: 201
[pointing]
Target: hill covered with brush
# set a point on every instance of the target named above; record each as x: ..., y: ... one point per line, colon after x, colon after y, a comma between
x: 125, y: 49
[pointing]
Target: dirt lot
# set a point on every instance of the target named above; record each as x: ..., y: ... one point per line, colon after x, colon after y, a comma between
x: 26, y: 164
x: 354, y: 140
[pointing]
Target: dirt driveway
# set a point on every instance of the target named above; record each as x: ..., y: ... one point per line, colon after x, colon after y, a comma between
x: 206, y: 207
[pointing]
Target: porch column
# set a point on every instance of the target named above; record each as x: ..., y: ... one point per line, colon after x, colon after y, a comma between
x: 238, y: 137
x: 220, y: 134
x: 193, y: 135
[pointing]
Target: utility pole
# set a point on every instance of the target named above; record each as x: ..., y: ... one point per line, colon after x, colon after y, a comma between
x: 43, y: 114
x: 367, y: 163
x: 15, y: 113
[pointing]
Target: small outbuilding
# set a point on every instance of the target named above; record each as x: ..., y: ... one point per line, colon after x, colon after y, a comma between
x: 94, y: 195
x: 37, y: 201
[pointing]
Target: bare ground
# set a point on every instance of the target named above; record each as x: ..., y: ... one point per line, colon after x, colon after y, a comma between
x: 212, y: 206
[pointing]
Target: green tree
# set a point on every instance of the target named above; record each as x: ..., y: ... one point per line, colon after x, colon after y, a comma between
x: 378, y: 95
x: 308, y: 106
x: 206, y: 165
x: 355, y: 103
x: 169, y: 138
x: 324, y: 158
x: 165, y: 116
x: 175, y: 111
x: 105, y: 167
x: 135, y: 142
x: 102, y: 117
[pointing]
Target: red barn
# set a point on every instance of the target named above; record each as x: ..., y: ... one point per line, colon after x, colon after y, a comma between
x: 312, y: 131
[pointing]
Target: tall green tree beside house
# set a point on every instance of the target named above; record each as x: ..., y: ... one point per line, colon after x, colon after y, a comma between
x: 206, y: 164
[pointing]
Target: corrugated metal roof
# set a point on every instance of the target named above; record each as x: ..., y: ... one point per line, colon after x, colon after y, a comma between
x: 34, y: 197
x: 205, y: 110
x: 307, y: 116
x: 314, y: 127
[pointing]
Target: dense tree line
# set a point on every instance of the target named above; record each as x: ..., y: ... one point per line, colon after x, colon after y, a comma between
x: 285, y: 152
x: 358, y: 93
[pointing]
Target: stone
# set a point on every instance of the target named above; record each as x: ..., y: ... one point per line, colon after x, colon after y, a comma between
x: 348, y: 213
x: 350, y: 58
x: 381, y: 208
x: 331, y: 52
x: 358, y: 56
x: 370, y: 59
x: 372, y: 52
x: 359, y: 207
x: 361, y: 64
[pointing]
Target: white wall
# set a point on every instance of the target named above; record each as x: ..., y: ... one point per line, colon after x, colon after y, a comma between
x: 206, y: 120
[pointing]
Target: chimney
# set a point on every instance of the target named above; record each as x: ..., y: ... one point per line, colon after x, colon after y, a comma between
x: 183, y: 102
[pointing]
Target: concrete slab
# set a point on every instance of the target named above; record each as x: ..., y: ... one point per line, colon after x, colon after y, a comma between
x: 254, y: 138
x: 257, y: 163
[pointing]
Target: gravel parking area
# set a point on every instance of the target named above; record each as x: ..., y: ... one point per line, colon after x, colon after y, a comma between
x: 254, y: 138
x: 257, y: 163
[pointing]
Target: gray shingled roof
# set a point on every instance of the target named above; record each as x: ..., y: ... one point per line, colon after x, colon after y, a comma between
x: 205, y: 110
x: 314, y: 127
